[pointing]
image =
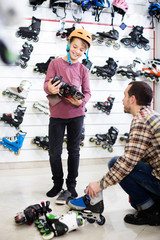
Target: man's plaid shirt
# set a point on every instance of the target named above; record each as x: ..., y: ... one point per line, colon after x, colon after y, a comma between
x: 143, y: 145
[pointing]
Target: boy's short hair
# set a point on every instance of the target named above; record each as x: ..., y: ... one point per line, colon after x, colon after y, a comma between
x: 142, y: 92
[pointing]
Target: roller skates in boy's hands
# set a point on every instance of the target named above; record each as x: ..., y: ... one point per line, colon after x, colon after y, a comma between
x: 32, y: 213
x: 14, y: 143
x: 55, y: 226
x: 31, y: 32
x: 90, y: 209
x: 20, y: 93
x: 14, y: 119
x: 105, y: 106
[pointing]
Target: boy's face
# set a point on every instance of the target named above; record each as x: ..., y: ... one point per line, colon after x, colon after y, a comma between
x: 77, y: 49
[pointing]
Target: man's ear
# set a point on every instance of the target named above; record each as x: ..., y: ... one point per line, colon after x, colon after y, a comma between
x: 133, y: 99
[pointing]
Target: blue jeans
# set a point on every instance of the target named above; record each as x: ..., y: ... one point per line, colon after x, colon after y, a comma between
x: 142, y: 187
x: 56, y: 135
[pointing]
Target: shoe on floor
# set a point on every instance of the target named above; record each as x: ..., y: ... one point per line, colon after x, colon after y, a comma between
x: 63, y: 197
x: 150, y: 216
x: 54, y: 191
x: 73, y: 192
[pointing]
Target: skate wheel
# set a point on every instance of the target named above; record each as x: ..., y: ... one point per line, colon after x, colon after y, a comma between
x: 104, y: 146
x: 36, y: 39
x: 23, y: 65
x: 109, y: 79
x: 133, y: 44
x: 102, y: 220
x: 108, y: 43
x: 91, y: 139
x: 97, y: 142
x: 147, y: 47
x: 140, y: 46
x: 17, y: 34
x: 29, y: 39
x: 117, y: 46
x: 90, y: 220
x: 22, y: 101
x: 4, y: 93
x: 126, y: 42
x: 110, y: 149
x: 17, y: 153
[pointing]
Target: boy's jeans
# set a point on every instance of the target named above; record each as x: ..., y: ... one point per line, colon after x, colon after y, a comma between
x: 142, y: 187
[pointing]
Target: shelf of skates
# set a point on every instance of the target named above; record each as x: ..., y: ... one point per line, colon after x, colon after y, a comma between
x: 81, y: 211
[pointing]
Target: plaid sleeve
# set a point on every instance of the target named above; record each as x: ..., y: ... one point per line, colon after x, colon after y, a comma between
x: 135, y: 149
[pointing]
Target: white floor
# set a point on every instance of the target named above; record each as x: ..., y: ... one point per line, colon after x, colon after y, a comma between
x: 21, y: 186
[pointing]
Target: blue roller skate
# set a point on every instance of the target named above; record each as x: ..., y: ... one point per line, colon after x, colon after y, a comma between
x: 90, y: 209
x: 14, y: 143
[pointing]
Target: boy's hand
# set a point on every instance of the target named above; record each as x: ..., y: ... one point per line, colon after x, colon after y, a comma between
x: 54, y: 88
x: 75, y: 101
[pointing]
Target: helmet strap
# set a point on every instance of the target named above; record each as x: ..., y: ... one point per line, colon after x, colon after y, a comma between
x: 68, y: 55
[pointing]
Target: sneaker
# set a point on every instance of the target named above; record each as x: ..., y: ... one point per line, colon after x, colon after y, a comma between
x: 150, y: 216
x: 54, y: 191
x: 63, y: 197
x: 73, y: 192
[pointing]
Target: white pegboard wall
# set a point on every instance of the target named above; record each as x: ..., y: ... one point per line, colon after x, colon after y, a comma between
x: 35, y: 123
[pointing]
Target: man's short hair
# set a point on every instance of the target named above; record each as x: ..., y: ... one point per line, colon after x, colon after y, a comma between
x: 142, y: 92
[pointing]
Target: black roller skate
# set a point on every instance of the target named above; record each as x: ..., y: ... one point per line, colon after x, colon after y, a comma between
x: 14, y: 143
x: 124, y: 138
x: 107, y: 71
x: 54, y: 226
x: 35, y: 3
x: 20, y: 93
x: 32, y: 213
x: 106, y: 141
x: 41, y: 142
x: 68, y: 91
x: 24, y: 55
x: 152, y: 72
x: 105, y: 106
x: 42, y: 67
x: 16, y: 119
x: 31, y: 32
x: 136, y: 39
x: 90, y: 209
x: 109, y: 38
x: 64, y: 33
x: 131, y: 71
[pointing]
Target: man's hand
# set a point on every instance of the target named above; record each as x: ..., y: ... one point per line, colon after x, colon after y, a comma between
x: 92, y: 189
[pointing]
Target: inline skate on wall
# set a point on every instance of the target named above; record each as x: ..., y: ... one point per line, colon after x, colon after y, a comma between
x: 20, y: 93
x: 42, y: 106
x: 153, y: 71
x: 106, y: 141
x: 32, y: 213
x: 35, y: 3
x: 66, y: 90
x: 131, y: 71
x: 42, y: 67
x: 31, y: 32
x: 14, y: 119
x: 90, y: 209
x: 14, y: 143
x: 24, y: 55
x: 109, y: 38
x: 107, y: 71
x: 64, y: 33
x: 124, y: 138
x: 105, y: 106
x: 54, y: 226
x: 41, y: 142
x: 136, y: 39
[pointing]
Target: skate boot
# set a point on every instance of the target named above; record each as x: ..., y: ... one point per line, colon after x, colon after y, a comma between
x: 105, y: 106
x: 153, y: 71
x: 109, y: 38
x: 41, y: 142
x: 131, y: 71
x: 35, y: 3
x: 14, y: 143
x: 42, y: 106
x: 106, y: 141
x: 136, y: 39
x: 32, y: 213
x: 90, y: 209
x: 24, y: 55
x: 107, y: 71
x: 68, y: 91
x: 20, y: 93
x: 16, y: 119
x: 124, y: 138
x: 42, y: 67
x: 55, y: 226
x: 65, y: 34
x: 31, y: 32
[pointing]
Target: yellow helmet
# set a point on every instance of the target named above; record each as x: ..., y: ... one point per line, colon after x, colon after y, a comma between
x: 83, y: 34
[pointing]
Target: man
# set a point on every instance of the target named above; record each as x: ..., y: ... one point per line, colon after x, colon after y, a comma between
x: 138, y: 170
